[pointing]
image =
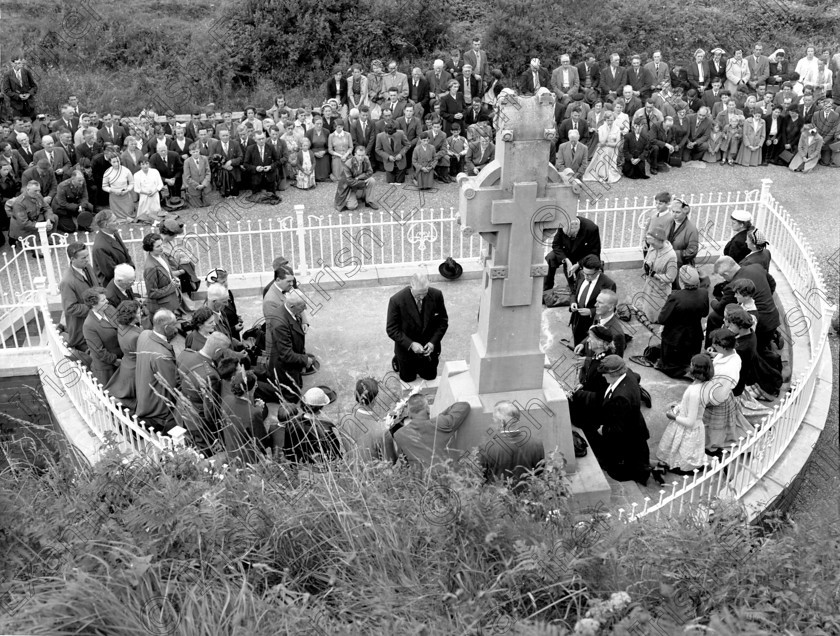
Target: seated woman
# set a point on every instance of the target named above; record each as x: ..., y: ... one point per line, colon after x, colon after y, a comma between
x: 723, y: 419
x: 604, y: 164
x: 681, y: 448
x: 311, y: 438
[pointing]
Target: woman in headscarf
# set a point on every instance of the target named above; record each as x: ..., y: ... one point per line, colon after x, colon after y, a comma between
x: 682, y: 323
x: 660, y: 271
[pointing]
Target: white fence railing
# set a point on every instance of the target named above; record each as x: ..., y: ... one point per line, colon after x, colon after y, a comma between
x: 103, y: 413
x: 383, y: 239
x: 744, y: 464
x: 340, y: 243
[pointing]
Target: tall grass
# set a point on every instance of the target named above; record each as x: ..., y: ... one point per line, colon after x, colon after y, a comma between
x: 182, y: 546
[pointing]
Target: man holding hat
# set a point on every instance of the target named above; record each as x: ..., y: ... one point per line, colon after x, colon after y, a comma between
x: 621, y: 442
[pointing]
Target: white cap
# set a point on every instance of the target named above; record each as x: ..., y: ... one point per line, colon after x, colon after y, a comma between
x: 741, y: 215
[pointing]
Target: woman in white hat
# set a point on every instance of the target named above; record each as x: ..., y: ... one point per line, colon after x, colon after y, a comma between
x: 310, y: 437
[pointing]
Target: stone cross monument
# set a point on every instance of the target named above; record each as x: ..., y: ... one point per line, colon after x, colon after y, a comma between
x: 510, y: 203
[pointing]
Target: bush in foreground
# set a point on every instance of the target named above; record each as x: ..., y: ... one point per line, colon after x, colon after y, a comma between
x: 182, y: 546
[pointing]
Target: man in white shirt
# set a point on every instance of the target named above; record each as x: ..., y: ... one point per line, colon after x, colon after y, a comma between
x: 565, y: 81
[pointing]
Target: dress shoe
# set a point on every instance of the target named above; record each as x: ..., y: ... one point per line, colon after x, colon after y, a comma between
x: 372, y: 206
x: 653, y: 172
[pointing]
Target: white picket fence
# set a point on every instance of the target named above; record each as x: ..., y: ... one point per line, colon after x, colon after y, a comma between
x: 317, y: 243
x: 224, y: 237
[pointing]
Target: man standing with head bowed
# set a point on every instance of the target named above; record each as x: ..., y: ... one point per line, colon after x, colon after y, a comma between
x: 417, y: 322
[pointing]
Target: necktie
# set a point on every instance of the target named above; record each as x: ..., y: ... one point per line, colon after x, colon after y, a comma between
x: 50, y: 157
x: 657, y: 68
x: 87, y: 277
x: 364, y: 129
x: 20, y: 81
x: 536, y: 81
x: 574, y: 149
x: 608, y: 395
x: 419, y: 302
x: 224, y: 148
x: 574, y: 125
x: 261, y: 155
x: 584, y: 290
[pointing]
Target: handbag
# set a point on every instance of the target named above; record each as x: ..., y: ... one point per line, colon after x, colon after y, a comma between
x: 189, y: 281
x: 786, y: 156
x: 675, y: 160
x: 580, y: 444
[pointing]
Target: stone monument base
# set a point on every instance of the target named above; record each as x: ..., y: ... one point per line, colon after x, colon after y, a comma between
x: 545, y: 412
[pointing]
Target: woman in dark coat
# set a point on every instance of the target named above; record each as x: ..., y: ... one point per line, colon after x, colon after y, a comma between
x: 756, y: 374
x: 319, y: 138
x: 121, y: 385
x: 162, y: 286
x: 243, y: 417
x: 757, y: 245
x: 586, y: 398
x: 682, y: 329
x: 452, y: 108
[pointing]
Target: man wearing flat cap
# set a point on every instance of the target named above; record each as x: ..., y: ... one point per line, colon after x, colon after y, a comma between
x: 621, y: 441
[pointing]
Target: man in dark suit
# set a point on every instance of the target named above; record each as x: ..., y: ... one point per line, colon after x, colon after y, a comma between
x: 25, y: 149
x: 621, y: 445
x: 477, y: 59
x: 575, y: 122
x: 71, y: 200
x: 89, y: 148
x: 58, y: 160
x: 232, y: 157
x: 698, y: 73
x: 613, y: 78
x: 418, y: 91
x: 111, y: 131
x: 43, y: 174
x: 807, y: 108
x: 589, y: 68
x: 590, y: 281
x: 77, y: 279
x: 568, y: 249
x: 156, y: 377
x: 65, y: 142
x: 194, y: 125
x: 19, y: 87
x: 411, y: 128
x: 699, y: 131
x: 426, y: 442
x: 438, y: 80
x: 640, y: 79
x: 288, y: 358
x: 391, y: 147
x: 605, y: 316
x: 477, y: 112
x: 171, y: 169
x: 121, y: 287
x: 768, y: 313
x: 534, y: 78
x: 712, y: 96
x: 417, y: 322
x: 394, y: 103
x: 259, y: 164
x: 68, y: 121
x: 470, y: 85
x: 363, y: 132
x: 109, y: 250
x: 631, y: 102
x: 281, y: 156
x: 636, y: 148
x: 659, y: 70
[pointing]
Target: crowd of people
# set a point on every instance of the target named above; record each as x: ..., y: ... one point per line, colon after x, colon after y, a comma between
x: 726, y: 340
x: 612, y: 121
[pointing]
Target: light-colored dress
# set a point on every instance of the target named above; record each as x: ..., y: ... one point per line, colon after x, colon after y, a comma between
x: 339, y: 145
x: 733, y: 132
x: 683, y: 443
x: 808, y: 71
x: 753, y: 136
x: 148, y: 185
x: 292, y: 145
x: 122, y: 203
x: 723, y: 419
x: 715, y: 142
x: 604, y: 166
x: 736, y: 71
x: 305, y: 178
x: 662, y: 271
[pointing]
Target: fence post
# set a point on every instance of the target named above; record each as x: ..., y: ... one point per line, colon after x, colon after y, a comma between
x: 763, y: 204
x: 178, y: 434
x: 44, y: 246
x: 39, y: 284
x: 301, y: 239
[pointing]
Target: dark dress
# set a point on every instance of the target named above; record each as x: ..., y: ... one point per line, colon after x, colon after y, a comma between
x: 323, y: 165
x: 121, y: 385
x: 682, y: 329
x: 754, y: 368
